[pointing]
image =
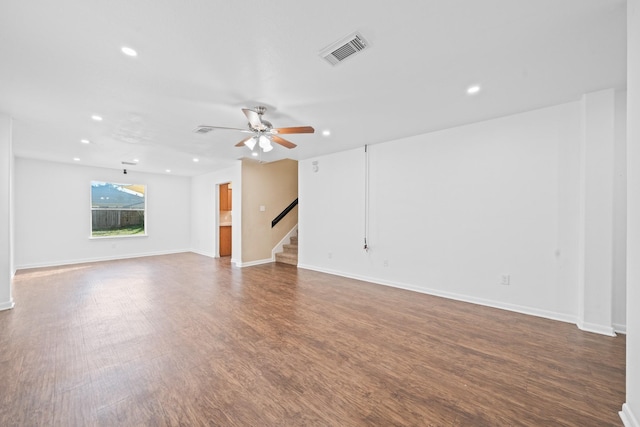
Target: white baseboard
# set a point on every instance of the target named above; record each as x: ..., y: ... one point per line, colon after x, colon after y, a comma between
x: 207, y: 254
x: 596, y: 329
x: 7, y: 305
x: 458, y: 297
x: 620, y: 329
x: 627, y: 417
x: 98, y: 259
x: 252, y: 263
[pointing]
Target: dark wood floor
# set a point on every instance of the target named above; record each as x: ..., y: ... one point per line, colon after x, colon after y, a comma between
x: 187, y: 340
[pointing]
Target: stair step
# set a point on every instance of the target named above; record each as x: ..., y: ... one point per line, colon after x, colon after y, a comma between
x: 289, y: 254
x: 287, y: 258
x: 289, y: 248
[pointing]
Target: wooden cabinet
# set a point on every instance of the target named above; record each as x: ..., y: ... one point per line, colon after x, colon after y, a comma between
x: 225, y: 230
x: 225, y: 197
x: 225, y: 240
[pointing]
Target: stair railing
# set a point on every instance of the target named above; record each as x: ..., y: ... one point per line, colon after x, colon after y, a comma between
x: 284, y: 212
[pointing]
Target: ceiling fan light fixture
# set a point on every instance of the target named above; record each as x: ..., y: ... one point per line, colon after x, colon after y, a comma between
x: 251, y: 142
x: 263, y: 132
x: 265, y: 144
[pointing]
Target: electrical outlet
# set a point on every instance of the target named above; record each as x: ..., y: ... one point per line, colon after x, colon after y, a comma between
x: 506, y: 279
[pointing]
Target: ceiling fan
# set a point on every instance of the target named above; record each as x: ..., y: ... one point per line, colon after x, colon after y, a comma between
x: 263, y: 132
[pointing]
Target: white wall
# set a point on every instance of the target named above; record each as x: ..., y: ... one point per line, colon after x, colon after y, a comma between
x: 52, y: 214
x: 451, y: 212
x: 205, y: 212
x: 6, y: 240
x: 331, y: 213
x: 596, y: 219
x: 620, y: 217
x: 631, y: 409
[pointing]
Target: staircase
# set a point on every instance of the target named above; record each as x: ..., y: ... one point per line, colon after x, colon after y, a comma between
x: 289, y: 255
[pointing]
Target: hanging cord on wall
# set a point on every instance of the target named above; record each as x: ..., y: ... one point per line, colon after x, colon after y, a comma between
x: 366, y: 197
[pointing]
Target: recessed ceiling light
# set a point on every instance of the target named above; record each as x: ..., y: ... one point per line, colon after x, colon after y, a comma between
x: 85, y: 141
x: 129, y: 51
x: 168, y: 170
x: 196, y: 160
x: 76, y: 159
x: 326, y: 132
x: 136, y: 160
x: 97, y: 118
x: 472, y: 90
x: 254, y: 154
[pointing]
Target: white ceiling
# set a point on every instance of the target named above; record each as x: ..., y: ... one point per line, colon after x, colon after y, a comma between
x: 201, y: 61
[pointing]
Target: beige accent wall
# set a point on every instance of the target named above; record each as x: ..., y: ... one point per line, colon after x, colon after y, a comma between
x: 274, y: 186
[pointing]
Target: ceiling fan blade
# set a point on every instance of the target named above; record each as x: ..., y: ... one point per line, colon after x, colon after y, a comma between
x: 241, y: 143
x: 254, y: 119
x: 283, y: 142
x: 296, y: 129
x: 206, y: 129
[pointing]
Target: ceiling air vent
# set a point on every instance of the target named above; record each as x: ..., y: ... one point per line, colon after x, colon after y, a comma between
x: 203, y: 129
x: 344, y: 48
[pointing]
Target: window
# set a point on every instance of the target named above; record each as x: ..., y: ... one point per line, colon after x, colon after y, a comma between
x: 117, y: 209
